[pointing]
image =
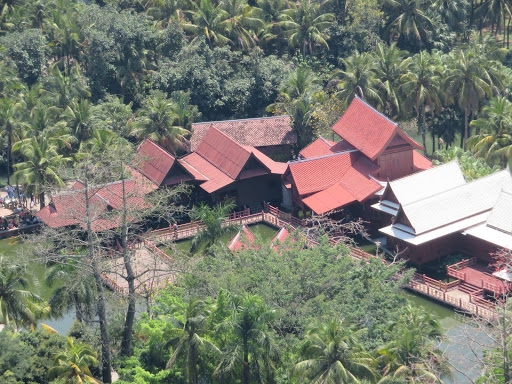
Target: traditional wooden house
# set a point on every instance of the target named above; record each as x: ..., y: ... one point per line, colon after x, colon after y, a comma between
x: 373, y: 149
x: 436, y: 212
x: 69, y: 208
x: 273, y: 136
x: 220, y: 168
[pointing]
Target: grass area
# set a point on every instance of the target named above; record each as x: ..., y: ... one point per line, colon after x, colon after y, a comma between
x: 262, y: 232
x: 368, y: 248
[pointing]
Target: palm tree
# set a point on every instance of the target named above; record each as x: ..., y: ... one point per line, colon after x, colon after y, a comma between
x: 78, y: 115
x: 408, y: 20
x: 16, y: 302
x: 422, y: 87
x: 78, y: 291
x: 241, y: 23
x: 468, y: 83
x: 303, y: 24
x: 207, y: 17
x: 73, y: 365
x: 157, y: 120
x: 404, y: 356
x: 359, y: 79
x: 62, y: 88
x: 102, y: 141
x: 9, y: 124
x: 390, y: 65
x: 187, y: 336
x: 494, y: 12
x: 213, y: 220
x: 41, y: 165
x: 250, y: 353
x: 493, y: 140
x: 332, y: 354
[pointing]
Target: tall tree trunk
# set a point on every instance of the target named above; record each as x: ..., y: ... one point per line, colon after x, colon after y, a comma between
x: 508, y: 33
x: 9, y: 155
x: 466, y: 125
x: 100, y: 304
x: 246, y: 374
x: 130, y: 279
x: 41, y: 200
x: 78, y: 309
x: 192, y: 365
x: 423, y: 132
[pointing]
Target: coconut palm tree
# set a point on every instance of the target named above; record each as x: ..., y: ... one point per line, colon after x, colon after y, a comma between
x: 158, y: 121
x: 213, y: 220
x: 40, y: 168
x: 422, y: 87
x: 78, y: 115
x: 390, y: 66
x: 404, y: 356
x: 16, y: 302
x: 62, y: 88
x: 332, y: 354
x: 468, y: 83
x: 207, y: 17
x: 241, y: 23
x: 102, y: 141
x: 9, y: 123
x: 494, y: 12
x: 73, y: 365
x: 304, y: 24
x: 250, y: 353
x: 408, y: 20
x: 358, y: 78
x: 78, y: 292
x: 187, y: 337
x: 493, y: 140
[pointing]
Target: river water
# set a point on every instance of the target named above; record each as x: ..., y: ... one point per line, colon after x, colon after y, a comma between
x: 452, y: 323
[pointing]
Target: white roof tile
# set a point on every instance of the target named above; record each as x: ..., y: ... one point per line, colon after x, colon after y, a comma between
x: 501, y: 215
x: 491, y: 235
x: 457, y: 203
x: 427, y: 183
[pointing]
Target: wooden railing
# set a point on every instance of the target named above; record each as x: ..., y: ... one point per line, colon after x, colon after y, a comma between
x: 111, y: 283
x: 436, y: 283
x: 497, y: 289
x: 157, y: 251
x: 463, y: 264
x: 285, y: 217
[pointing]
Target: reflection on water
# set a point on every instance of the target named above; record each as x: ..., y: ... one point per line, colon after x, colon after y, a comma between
x: 459, y: 346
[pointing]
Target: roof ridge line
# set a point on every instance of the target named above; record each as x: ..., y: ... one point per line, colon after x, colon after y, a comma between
x: 322, y: 157
x: 191, y: 166
x: 159, y: 146
x: 233, y: 140
x: 453, y: 188
x: 325, y: 141
x: 248, y: 119
x: 426, y: 170
x: 375, y: 110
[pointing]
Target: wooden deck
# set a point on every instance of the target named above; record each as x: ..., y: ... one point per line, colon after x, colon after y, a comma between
x: 447, y: 293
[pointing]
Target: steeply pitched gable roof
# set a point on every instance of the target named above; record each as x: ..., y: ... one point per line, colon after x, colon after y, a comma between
x: 258, y: 132
x: 153, y: 161
x: 368, y: 130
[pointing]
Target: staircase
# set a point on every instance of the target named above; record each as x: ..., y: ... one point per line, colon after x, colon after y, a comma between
x: 469, y: 289
x: 256, y: 207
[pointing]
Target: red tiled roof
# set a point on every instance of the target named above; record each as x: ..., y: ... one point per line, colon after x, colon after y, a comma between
x: 420, y: 162
x: 319, y: 147
x: 153, y: 161
x: 216, y: 178
x: 334, y: 181
x: 259, y: 132
x: 274, y: 167
x: 281, y: 235
x: 241, y: 239
x: 368, y: 130
x: 69, y: 208
x: 331, y: 198
x: 222, y: 151
x: 313, y: 175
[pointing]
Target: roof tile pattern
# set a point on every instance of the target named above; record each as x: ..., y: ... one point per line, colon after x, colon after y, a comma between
x: 227, y: 155
x: 259, y: 132
x: 500, y: 217
x: 242, y: 239
x: 70, y: 208
x: 368, y: 130
x: 153, y: 161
